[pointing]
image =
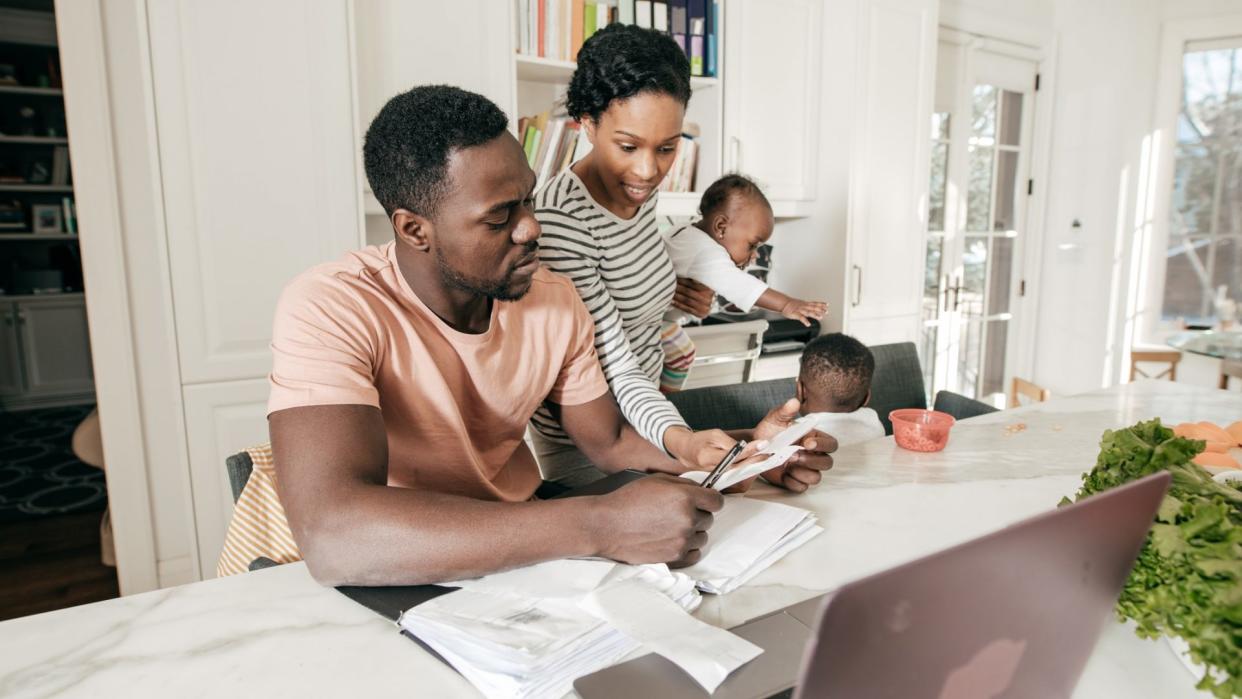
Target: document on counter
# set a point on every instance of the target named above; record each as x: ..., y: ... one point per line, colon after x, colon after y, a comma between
x: 748, y: 536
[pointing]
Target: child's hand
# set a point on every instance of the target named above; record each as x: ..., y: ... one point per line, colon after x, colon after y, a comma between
x: 804, y: 311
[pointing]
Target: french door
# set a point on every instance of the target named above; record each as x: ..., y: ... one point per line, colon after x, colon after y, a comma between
x: 981, y: 133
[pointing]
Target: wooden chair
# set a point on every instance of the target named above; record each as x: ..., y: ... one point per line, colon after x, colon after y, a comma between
x: 1022, y: 387
x: 1154, y: 356
x: 1228, y: 368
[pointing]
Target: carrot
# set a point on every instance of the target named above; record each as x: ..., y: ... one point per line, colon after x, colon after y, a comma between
x: 1235, y: 431
x: 1210, y: 459
x: 1213, y: 433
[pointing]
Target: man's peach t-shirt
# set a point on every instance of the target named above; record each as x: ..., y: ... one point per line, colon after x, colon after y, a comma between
x: 455, y: 405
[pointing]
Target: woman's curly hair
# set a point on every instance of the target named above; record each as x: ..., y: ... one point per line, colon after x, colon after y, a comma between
x: 622, y: 60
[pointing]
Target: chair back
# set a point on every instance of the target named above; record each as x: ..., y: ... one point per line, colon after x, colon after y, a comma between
x: 239, y: 467
x: 1165, y: 356
x: 725, y: 353
x: 961, y: 407
x: 733, y: 407
x: 1230, y: 368
x: 1023, y: 388
x: 898, y: 380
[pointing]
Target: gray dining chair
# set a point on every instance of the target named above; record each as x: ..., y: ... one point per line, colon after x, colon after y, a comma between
x: 961, y: 407
x: 732, y: 407
x: 898, y: 380
x: 239, y: 467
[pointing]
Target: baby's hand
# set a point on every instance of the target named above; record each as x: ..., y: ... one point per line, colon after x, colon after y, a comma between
x: 804, y: 311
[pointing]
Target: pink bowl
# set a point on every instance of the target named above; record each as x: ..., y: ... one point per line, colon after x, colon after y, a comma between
x: 921, y: 430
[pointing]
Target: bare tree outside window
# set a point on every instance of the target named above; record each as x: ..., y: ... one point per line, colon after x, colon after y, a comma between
x: 1205, y: 227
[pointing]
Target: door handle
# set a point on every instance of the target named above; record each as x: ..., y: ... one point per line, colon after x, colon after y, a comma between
x: 957, y: 290
x: 947, y: 288
x: 857, y: 286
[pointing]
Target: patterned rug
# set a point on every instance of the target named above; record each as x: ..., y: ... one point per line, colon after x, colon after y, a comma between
x: 39, y: 475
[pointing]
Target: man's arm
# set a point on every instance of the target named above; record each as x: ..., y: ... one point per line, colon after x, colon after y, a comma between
x: 353, y: 528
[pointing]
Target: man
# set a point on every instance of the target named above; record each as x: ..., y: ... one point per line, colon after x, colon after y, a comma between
x: 417, y: 364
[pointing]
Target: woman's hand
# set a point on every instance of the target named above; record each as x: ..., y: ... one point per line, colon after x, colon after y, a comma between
x: 804, y: 311
x: 693, y: 298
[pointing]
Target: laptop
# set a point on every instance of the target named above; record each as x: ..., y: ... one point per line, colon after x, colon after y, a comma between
x: 1015, y: 613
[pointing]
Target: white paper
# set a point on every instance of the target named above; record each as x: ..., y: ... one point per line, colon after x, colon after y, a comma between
x: 793, y: 434
x: 570, y: 577
x: 744, y: 531
x: 739, y: 473
x: 706, y: 653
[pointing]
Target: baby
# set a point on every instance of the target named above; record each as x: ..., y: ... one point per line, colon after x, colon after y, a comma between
x: 714, y: 251
x: 835, y: 383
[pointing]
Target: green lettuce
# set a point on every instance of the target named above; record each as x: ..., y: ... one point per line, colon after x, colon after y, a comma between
x: 1187, y: 581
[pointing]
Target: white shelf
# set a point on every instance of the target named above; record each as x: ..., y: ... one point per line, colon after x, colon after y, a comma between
x: 47, y: 237
x: 35, y: 187
x: 43, y: 297
x: 547, y: 70
x: 685, y: 204
x: 43, y: 140
x: 20, y: 90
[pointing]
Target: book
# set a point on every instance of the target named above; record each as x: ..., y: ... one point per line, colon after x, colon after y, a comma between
x: 541, y: 26
x: 603, y: 15
x: 712, y: 29
x: 576, y: 20
x: 642, y: 13
x: 588, y: 20
x: 678, y: 11
x: 659, y: 16
x: 625, y: 11
x: 69, y: 213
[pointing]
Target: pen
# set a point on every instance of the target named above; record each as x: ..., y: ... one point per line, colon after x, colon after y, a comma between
x: 724, y: 464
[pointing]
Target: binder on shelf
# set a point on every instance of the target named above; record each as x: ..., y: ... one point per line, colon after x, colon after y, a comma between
x: 69, y: 213
x: 642, y: 13
x: 588, y: 20
x: 696, y: 54
x: 677, y: 15
x: 541, y: 25
x: 603, y: 15
x: 711, y: 66
x: 659, y: 16
x: 566, y: 40
x: 696, y: 17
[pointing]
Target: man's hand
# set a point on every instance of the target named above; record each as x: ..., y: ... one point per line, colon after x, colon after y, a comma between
x: 804, y: 311
x: 805, y: 468
x: 658, y: 519
x: 693, y: 298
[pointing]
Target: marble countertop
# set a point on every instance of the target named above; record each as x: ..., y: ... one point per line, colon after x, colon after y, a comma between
x: 277, y: 633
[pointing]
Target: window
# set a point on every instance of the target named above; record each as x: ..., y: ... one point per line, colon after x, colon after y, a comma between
x: 1205, y: 227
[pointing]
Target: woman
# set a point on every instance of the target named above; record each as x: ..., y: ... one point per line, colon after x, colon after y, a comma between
x: 629, y: 94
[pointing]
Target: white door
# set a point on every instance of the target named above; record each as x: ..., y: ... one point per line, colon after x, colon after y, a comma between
x: 56, y: 346
x: 255, y: 109
x: 888, y: 182
x: 221, y: 420
x: 980, y: 181
x: 771, y: 112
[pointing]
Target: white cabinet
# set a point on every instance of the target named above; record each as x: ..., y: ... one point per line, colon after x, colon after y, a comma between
x: 254, y: 105
x: 10, y: 353
x: 45, y: 352
x: 889, y: 168
x: 221, y: 419
x: 56, y: 346
x: 772, y: 79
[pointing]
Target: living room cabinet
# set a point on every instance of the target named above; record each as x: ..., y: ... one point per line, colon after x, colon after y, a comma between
x: 45, y: 352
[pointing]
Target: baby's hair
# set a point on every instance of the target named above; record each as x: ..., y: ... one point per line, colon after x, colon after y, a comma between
x: 717, y: 195
x: 840, y: 367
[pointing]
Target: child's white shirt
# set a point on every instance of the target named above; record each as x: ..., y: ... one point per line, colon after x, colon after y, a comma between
x: 695, y: 255
x: 850, y: 428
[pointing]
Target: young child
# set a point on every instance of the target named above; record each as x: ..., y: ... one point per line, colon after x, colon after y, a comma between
x: 835, y: 383
x: 736, y: 220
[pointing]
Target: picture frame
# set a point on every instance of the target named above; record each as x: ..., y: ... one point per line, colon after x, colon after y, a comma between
x: 46, y: 219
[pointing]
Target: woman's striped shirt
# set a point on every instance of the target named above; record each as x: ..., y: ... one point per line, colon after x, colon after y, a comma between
x: 627, y: 281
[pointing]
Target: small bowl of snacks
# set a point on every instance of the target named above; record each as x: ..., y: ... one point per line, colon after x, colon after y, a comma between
x: 921, y: 430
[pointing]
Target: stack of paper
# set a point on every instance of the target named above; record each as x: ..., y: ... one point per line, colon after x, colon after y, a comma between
x: 524, y: 634
x: 748, y: 536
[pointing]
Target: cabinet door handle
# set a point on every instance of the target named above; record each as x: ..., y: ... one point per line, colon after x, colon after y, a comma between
x: 857, y: 286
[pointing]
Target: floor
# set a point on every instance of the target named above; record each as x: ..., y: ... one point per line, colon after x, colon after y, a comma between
x: 51, y: 505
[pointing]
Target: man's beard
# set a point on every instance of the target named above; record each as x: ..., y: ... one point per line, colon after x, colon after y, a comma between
x: 500, y: 290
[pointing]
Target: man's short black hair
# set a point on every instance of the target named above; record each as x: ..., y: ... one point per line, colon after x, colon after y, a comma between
x: 409, y: 142
x: 622, y: 60
x: 840, y: 368
x: 717, y: 195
